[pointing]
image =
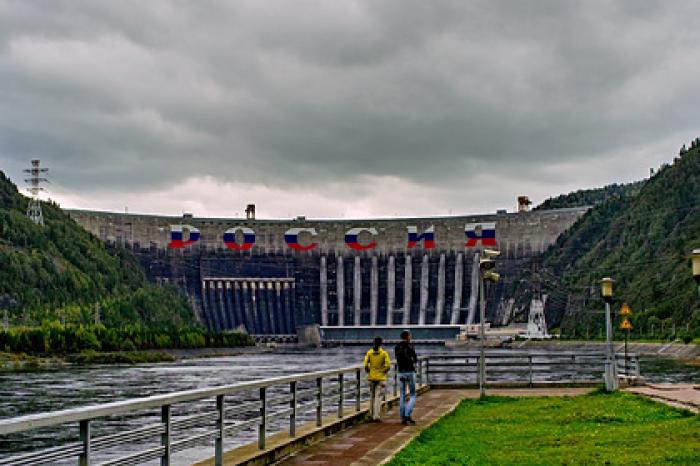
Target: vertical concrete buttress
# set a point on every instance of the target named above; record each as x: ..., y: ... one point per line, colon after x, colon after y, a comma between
x: 440, y: 302
x: 237, y: 308
x: 283, y: 318
x: 459, y: 280
x: 474, y: 292
x: 407, y: 289
x: 340, y: 285
x: 269, y: 305
x: 205, y: 307
x: 230, y: 311
x: 247, y: 311
x: 357, y: 291
x: 259, y: 322
x: 213, y: 306
x: 324, y: 291
x: 424, y: 277
x: 390, y: 290
x: 374, y: 291
x: 221, y: 305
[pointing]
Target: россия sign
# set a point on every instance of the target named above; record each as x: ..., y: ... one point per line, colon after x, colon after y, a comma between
x: 475, y: 233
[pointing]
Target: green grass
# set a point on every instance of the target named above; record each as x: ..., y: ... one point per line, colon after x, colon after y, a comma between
x: 598, y: 428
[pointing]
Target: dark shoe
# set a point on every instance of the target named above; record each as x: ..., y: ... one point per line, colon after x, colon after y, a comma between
x: 404, y: 421
x: 410, y: 421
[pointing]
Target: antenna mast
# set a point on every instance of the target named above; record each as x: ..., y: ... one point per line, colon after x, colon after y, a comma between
x: 36, y: 178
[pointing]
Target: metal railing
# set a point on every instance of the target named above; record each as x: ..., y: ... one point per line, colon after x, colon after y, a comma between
x: 524, y: 368
x: 261, y: 407
x: 255, y: 410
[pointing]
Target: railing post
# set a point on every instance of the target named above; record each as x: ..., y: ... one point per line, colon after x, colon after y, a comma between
x: 319, y: 401
x: 84, y: 459
x: 529, y: 365
x: 219, y: 443
x: 262, y: 430
x: 165, y: 436
x: 358, y: 388
x: 396, y: 379
x: 341, y: 395
x: 420, y: 372
x: 293, y: 406
x: 574, y: 367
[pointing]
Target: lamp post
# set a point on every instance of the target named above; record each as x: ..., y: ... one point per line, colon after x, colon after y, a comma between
x: 695, y: 258
x: 606, y: 291
x: 486, y: 265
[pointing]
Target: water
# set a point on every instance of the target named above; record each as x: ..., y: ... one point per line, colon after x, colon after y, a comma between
x: 25, y: 393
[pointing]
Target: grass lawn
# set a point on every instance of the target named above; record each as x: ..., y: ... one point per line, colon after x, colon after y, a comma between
x: 599, y: 428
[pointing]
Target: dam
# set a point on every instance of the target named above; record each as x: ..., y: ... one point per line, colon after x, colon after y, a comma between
x: 273, y: 276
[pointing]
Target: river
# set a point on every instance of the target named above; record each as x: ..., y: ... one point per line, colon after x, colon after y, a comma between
x: 33, y: 392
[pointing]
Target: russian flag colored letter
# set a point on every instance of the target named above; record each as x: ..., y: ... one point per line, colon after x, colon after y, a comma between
x: 428, y: 237
x: 248, y: 238
x: 291, y: 236
x: 352, y: 238
x: 177, y: 238
x: 480, y: 232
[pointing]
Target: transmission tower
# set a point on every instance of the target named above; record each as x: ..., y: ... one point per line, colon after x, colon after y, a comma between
x: 34, y: 182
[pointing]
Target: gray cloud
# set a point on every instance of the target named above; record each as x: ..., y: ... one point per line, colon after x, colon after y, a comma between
x: 124, y: 96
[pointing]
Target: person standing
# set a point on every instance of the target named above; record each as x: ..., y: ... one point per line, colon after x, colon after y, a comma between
x: 406, y: 359
x: 376, y: 364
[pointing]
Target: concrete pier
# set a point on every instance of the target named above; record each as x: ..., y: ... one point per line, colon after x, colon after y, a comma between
x: 407, y: 290
x: 230, y: 310
x: 424, y: 277
x: 374, y: 291
x: 323, y: 289
x: 390, y: 290
x: 340, y: 283
x: 440, y: 301
x: 474, y: 292
x: 357, y: 291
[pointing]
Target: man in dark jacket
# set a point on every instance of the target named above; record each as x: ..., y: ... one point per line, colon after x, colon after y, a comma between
x: 406, y: 359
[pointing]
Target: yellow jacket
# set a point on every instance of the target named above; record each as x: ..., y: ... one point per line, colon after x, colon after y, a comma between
x: 378, y: 363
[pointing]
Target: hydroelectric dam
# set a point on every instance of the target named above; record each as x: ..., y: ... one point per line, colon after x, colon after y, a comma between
x: 351, y: 277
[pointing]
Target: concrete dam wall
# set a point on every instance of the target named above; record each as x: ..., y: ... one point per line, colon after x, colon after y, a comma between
x: 271, y: 276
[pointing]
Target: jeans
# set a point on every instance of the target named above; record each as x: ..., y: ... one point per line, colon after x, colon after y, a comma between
x: 408, y: 383
x: 375, y: 399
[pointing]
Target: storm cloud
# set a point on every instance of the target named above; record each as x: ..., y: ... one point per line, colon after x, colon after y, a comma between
x: 342, y: 108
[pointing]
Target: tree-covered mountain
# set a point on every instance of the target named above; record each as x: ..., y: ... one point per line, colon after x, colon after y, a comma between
x: 60, y: 271
x: 643, y: 241
x: 591, y: 197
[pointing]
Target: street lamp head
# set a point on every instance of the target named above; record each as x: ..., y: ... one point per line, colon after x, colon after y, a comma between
x: 606, y: 289
x: 486, y: 261
x: 695, y: 258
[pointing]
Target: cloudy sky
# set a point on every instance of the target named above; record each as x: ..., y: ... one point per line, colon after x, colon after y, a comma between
x: 342, y: 108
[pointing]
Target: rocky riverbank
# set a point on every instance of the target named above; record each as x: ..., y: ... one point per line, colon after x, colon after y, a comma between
x: 22, y: 362
x: 674, y: 350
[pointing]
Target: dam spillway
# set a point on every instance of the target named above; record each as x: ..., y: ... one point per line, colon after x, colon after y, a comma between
x: 271, y: 276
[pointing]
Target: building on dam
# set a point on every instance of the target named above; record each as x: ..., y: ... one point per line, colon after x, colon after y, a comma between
x: 272, y: 276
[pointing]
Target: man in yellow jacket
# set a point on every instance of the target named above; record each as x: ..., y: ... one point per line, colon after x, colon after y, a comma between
x: 376, y: 364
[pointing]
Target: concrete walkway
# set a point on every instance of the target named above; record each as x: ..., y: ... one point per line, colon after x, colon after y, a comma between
x: 685, y: 396
x: 376, y: 443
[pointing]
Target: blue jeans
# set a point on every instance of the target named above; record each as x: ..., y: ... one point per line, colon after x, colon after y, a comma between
x: 408, y: 383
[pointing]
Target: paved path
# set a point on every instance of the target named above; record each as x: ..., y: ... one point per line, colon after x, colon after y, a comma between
x: 680, y: 395
x: 358, y: 445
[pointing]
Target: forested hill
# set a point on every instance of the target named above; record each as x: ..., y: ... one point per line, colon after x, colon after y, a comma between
x: 60, y: 271
x: 643, y: 241
x: 590, y: 197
